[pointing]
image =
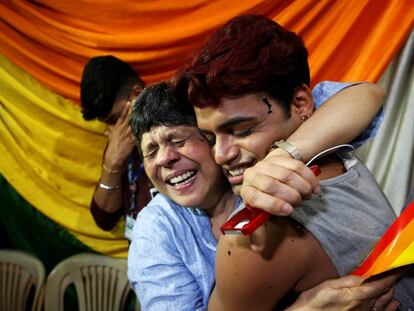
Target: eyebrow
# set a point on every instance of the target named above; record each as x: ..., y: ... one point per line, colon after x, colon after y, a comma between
x: 235, y: 121
x: 147, y: 147
x: 229, y: 123
x: 174, y: 133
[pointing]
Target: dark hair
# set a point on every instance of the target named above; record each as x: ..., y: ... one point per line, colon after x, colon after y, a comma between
x: 104, y: 78
x: 249, y: 54
x: 157, y: 105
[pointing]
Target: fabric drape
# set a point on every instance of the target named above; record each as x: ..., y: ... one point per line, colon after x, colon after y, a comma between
x: 52, y: 40
x: 52, y: 157
x: 28, y: 230
x: 390, y: 155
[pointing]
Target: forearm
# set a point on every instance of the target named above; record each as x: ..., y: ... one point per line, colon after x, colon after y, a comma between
x: 106, y: 205
x: 338, y: 121
x: 108, y: 193
x: 107, y: 200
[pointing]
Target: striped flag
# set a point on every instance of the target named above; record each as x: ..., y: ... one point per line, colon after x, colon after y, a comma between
x: 394, y: 249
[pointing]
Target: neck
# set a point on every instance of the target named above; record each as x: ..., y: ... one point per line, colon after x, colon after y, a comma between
x: 221, y: 211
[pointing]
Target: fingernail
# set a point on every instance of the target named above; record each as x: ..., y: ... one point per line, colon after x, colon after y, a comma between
x: 317, y: 190
x: 286, y: 209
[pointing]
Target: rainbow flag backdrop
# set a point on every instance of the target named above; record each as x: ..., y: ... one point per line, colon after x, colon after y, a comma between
x: 394, y: 249
x: 51, y: 158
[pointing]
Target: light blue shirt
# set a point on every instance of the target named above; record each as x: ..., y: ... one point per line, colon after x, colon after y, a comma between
x: 171, y: 261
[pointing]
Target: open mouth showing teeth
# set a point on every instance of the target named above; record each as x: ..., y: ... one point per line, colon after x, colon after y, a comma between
x: 181, y: 179
x: 237, y: 172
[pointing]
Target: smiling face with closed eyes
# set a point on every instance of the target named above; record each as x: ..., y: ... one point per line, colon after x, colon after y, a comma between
x: 178, y: 162
x: 240, y: 131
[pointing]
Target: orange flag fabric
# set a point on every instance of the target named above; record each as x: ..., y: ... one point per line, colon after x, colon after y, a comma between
x: 352, y: 40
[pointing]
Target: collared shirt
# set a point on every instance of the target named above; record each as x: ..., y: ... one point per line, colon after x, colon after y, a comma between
x: 171, y: 259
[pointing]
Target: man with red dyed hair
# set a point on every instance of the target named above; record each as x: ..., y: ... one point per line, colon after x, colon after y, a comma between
x: 250, y: 89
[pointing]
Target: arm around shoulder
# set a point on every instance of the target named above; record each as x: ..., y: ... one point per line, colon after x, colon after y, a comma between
x: 339, y: 120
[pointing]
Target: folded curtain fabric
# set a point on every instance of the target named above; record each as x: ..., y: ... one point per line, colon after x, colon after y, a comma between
x: 52, y: 157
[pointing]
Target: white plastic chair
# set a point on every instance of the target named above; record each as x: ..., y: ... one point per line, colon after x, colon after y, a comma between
x: 100, y: 281
x: 20, y: 275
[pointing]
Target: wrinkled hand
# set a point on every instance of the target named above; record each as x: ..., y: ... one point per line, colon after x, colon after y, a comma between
x: 276, y: 184
x: 351, y: 293
x: 121, y: 141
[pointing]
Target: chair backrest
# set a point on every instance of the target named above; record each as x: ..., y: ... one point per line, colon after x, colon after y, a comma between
x: 20, y: 274
x: 100, y: 281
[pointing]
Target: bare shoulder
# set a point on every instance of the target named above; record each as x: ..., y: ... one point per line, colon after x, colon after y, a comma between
x: 292, y: 260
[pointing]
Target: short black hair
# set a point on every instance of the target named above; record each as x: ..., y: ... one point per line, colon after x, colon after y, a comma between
x: 103, y: 79
x: 157, y: 105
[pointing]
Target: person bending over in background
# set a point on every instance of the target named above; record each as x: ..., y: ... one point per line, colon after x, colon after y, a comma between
x: 108, y: 86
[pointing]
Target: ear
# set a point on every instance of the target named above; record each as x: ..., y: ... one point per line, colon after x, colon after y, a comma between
x: 302, y: 103
x: 135, y: 91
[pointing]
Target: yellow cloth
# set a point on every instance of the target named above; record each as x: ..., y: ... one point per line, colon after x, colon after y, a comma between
x: 44, y: 155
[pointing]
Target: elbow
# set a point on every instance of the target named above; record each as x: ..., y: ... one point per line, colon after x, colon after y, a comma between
x: 378, y: 93
x: 104, y: 220
x: 105, y: 226
x: 105, y: 223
